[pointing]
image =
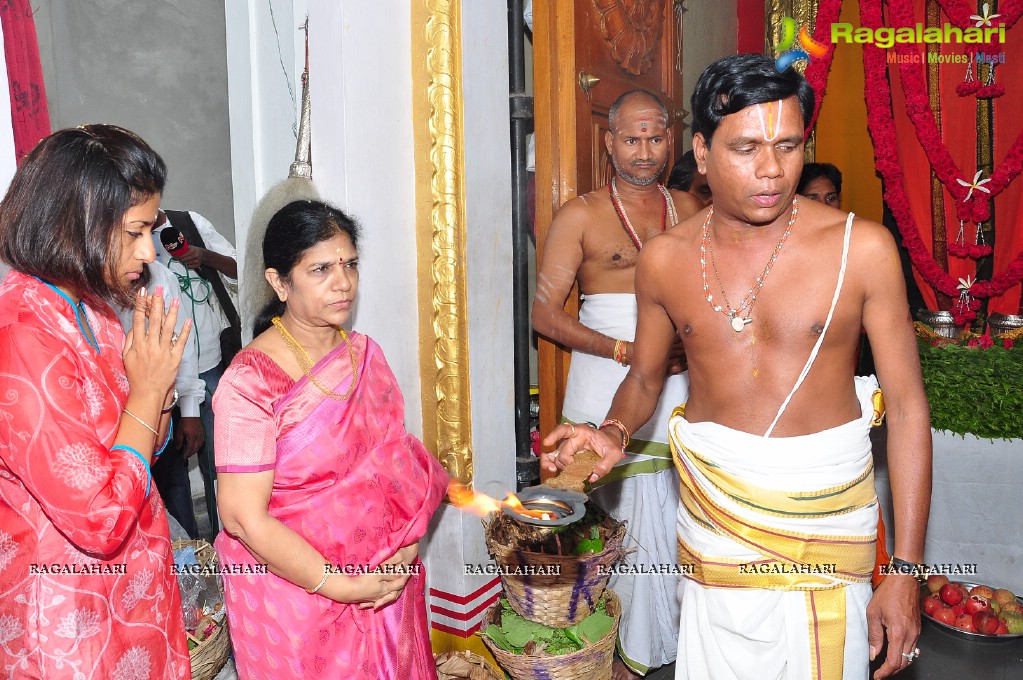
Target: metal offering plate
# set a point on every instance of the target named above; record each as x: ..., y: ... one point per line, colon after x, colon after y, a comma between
x: 965, y: 634
x: 559, y: 506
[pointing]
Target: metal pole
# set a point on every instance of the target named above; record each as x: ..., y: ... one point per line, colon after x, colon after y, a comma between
x: 521, y: 111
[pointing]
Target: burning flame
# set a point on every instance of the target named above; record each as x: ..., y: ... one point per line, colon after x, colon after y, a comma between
x: 464, y: 498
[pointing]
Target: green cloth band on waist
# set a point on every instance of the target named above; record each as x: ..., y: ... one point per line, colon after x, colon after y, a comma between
x: 640, y: 467
x: 659, y: 461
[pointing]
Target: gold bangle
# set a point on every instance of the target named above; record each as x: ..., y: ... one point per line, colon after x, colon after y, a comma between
x: 619, y: 352
x: 326, y: 575
x: 144, y: 423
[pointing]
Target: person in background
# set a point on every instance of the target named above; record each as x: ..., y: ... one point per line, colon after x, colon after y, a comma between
x: 207, y: 271
x: 170, y: 470
x: 596, y: 240
x: 685, y: 177
x: 319, y: 479
x: 87, y: 587
x: 821, y: 182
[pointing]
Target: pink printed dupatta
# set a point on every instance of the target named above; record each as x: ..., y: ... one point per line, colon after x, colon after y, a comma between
x: 352, y: 482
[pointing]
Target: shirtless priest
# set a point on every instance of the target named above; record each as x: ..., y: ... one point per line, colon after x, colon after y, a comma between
x: 778, y: 515
x: 596, y: 239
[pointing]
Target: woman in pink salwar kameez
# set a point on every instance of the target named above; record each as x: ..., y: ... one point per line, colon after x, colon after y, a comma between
x: 318, y: 478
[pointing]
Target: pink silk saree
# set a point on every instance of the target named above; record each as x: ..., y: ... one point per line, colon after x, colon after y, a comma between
x: 356, y: 486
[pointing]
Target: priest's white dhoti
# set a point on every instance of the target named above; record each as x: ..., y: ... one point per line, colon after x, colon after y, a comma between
x: 643, y: 489
x: 780, y: 533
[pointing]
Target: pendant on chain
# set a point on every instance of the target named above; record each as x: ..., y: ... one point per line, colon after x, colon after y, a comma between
x: 738, y: 323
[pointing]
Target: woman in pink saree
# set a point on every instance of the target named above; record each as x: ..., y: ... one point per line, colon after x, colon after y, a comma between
x: 318, y: 478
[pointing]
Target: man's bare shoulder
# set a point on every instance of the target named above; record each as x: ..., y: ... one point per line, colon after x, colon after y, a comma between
x: 872, y: 247
x: 675, y: 241
x: 872, y: 238
x: 686, y: 204
x: 828, y: 222
x: 578, y: 213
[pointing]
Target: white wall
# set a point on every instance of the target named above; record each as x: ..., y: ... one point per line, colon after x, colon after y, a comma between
x: 363, y: 161
x: 157, y: 68
x: 489, y: 253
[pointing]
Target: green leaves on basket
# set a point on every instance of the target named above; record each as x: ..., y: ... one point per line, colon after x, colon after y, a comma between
x: 595, y: 626
x: 515, y: 632
x: 593, y: 544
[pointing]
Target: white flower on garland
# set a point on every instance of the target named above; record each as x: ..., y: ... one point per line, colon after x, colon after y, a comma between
x: 984, y: 19
x: 975, y: 184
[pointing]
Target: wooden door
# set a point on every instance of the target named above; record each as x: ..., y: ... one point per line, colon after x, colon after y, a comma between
x: 624, y: 44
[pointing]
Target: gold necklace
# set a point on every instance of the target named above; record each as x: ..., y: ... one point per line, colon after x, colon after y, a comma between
x: 305, y: 361
x: 735, y: 318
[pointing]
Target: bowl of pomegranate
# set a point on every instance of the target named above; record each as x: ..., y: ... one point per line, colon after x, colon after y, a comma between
x: 973, y: 611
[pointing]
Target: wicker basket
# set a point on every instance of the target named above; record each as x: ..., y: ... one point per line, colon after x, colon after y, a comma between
x: 209, y: 656
x: 592, y: 662
x: 555, y: 590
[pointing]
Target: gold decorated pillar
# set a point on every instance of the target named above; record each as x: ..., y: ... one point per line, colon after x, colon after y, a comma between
x: 463, y: 232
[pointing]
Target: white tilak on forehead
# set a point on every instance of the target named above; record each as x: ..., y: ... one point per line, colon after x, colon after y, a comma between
x: 772, y: 126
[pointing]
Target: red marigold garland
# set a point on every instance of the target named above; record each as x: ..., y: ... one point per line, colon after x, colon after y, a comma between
x: 971, y: 205
x: 828, y: 12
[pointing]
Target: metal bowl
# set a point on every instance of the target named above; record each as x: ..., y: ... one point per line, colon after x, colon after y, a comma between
x: 941, y: 322
x: 1003, y: 323
x: 965, y: 634
x: 561, y: 505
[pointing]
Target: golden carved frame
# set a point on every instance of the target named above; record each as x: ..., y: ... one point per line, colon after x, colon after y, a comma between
x: 437, y: 117
x: 805, y: 14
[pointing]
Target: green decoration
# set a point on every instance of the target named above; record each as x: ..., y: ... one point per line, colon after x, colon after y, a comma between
x: 515, y: 633
x: 974, y: 390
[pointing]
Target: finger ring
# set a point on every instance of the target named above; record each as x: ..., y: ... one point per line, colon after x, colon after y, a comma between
x: 912, y: 655
x: 174, y: 339
x: 572, y: 425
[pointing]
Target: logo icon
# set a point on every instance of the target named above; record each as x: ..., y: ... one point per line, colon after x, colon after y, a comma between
x: 808, y: 47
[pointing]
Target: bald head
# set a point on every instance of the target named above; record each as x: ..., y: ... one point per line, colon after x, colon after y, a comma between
x: 635, y: 99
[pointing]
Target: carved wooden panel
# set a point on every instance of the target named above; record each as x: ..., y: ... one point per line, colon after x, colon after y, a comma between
x: 631, y: 30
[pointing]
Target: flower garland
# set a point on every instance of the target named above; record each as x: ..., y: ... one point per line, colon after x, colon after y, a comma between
x: 828, y: 12
x: 972, y: 204
x: 962, y: 16
x: 972, y: 198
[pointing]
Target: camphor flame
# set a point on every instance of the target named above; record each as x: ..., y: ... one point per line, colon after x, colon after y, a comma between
x: 464, y: 498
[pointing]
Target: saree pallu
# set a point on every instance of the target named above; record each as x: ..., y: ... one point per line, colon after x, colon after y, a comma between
x: 357, y: 487
x: 780, y: 533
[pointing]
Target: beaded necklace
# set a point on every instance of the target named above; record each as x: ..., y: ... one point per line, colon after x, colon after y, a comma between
x: 616, y: 201
x: 305, y: 361
x: 737, y: 321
